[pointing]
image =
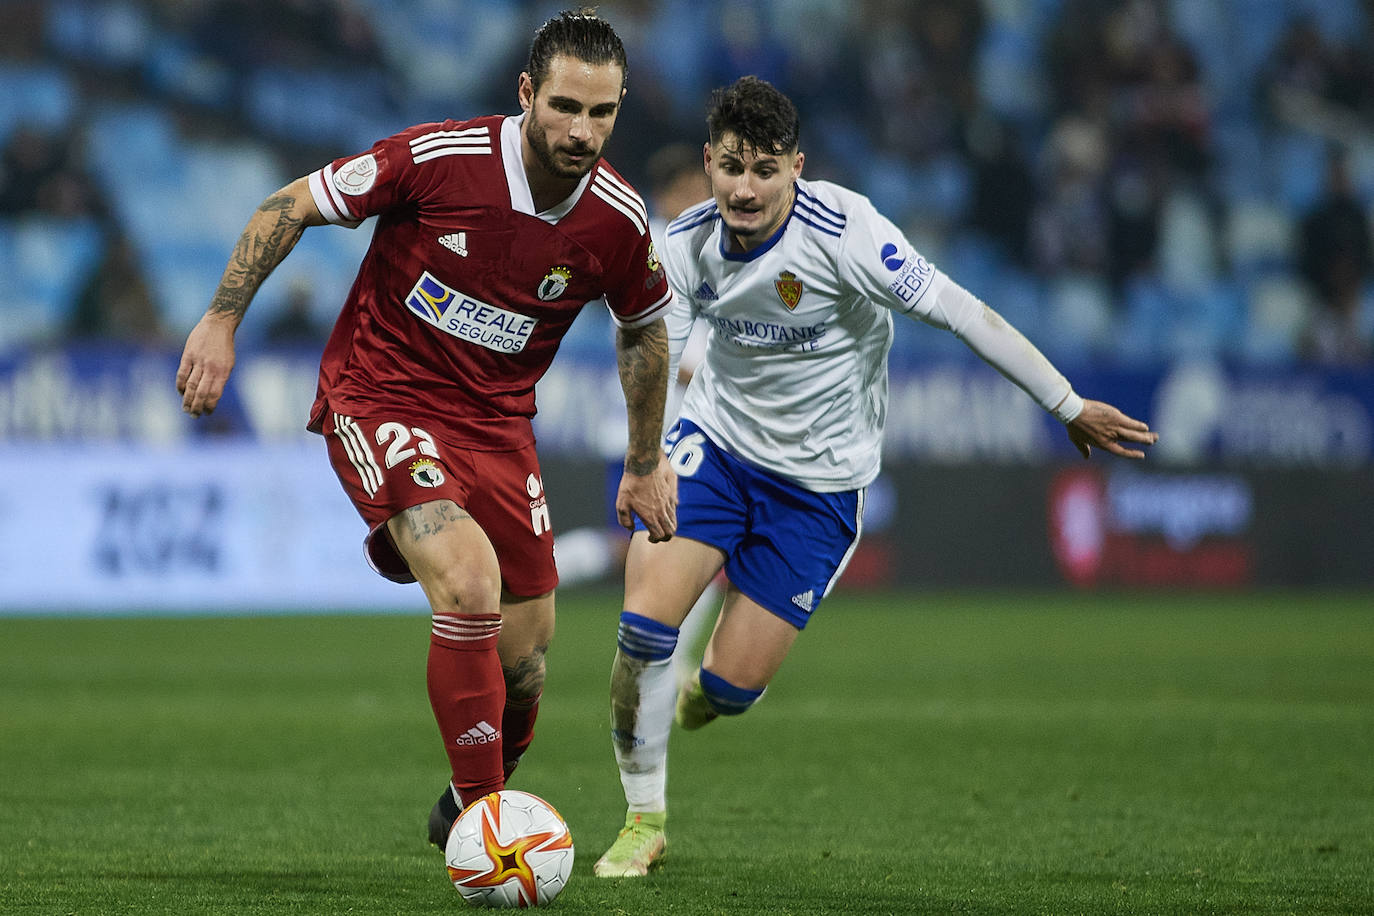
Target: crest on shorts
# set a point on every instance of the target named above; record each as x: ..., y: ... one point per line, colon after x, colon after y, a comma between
x: 554, y: 283
x: 426, y: 473
x: 789, y: 288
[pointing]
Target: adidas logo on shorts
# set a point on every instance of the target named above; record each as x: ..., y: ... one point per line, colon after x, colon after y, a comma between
x: 806, y: 600
x: 481, y: 733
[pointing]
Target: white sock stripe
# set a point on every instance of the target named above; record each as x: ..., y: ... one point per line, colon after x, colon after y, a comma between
x: 465, y: 629
x: 350, y: 435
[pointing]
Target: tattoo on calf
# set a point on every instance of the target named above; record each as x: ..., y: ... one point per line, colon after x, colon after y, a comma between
x: 525, y: 679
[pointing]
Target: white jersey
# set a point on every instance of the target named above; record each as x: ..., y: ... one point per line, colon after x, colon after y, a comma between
x: 794, y: 377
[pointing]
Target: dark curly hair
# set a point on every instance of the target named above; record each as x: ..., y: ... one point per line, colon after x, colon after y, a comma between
x: 576, y: 33
x: 758, y: 114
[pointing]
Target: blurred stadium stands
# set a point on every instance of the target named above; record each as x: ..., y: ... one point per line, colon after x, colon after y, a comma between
x: 1171, y: 197
x: 1129, y: 180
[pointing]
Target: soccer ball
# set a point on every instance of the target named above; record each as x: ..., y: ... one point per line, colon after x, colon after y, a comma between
x: 509, y: 849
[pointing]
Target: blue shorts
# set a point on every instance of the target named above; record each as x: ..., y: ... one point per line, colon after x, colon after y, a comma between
x: 785, y: 546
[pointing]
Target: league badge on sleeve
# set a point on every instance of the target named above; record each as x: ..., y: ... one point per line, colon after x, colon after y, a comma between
x: 357, y: 175
x: 789, y: 289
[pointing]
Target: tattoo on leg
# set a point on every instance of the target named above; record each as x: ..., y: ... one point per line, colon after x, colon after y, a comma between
x: 525, y: 679
x: 431, y: 518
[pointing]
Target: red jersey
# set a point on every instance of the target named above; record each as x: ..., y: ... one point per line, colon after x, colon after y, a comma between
x: 465, y: 292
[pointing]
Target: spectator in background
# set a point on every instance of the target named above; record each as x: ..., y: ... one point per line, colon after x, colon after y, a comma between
x: 117, y: 302
x: 1336, y: 259
x: 677, y: 180
x: 296, y: 322
x: 1069, y: 228
x: 39, y: 174
x: 1003, y: 186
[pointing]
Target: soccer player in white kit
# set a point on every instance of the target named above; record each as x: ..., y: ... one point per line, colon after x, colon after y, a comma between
x: 780, y: 430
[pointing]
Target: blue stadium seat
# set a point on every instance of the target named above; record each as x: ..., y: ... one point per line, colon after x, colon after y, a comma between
x: 1080, y: 319
x: 45, y: 263
x: 176, y: 69
x: 1009, y: 77
x: 1278, y: 309
x: 100, y: 34
x: 1299, y: 163
x: 38, y: 96
x: 1259, y: 239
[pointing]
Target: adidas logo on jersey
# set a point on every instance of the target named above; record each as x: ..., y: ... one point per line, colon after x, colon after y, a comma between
x: 456, y: 242
x: 481, y: 733
x: 704, y: 293
x: 806, y: 600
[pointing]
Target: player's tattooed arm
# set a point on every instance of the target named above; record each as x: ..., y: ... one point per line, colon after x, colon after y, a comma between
x: 272, y: 231
x: 642, y: 355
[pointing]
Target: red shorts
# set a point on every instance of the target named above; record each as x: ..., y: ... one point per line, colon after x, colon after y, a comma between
x: 386, y: 466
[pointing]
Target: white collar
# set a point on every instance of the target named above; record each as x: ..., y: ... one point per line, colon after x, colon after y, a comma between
x: 521, y: 199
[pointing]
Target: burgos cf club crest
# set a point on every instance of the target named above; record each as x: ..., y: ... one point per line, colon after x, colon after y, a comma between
x: 789, y: 288
x: 426, y: 473
x: 554, y: 283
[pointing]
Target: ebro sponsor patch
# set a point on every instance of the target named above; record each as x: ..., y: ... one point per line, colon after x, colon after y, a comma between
x: 914, y: 274
x: 467, y: 318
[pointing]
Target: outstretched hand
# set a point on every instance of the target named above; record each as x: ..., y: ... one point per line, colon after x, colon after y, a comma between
x: 205, y: 365
x: 1104, y: 426
x: 652, y: 497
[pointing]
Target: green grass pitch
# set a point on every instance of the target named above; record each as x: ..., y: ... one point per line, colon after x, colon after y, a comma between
x: 978, y: 753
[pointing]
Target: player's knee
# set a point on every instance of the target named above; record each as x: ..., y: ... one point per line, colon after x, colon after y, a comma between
x: 726, y: 698
x: 461, y: 589
x: 644, y: 638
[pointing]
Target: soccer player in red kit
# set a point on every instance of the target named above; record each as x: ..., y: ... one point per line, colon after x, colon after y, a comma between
x: 491, y: 235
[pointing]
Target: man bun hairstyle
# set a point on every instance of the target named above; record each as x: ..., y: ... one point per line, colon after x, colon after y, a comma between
x: 758, y: 114
x: 576, y: 33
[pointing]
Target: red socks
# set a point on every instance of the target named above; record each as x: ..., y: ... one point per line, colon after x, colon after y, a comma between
x: 517, y: 727
x: 468, y: 695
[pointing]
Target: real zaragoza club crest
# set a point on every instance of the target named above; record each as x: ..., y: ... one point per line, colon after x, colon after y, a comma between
x: 789, y: 288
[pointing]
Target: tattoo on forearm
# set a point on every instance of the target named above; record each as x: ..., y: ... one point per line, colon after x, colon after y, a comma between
x: 642, y: 357
x: 525, y: 679
x: 431, y: 518
x: 268, y: 239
